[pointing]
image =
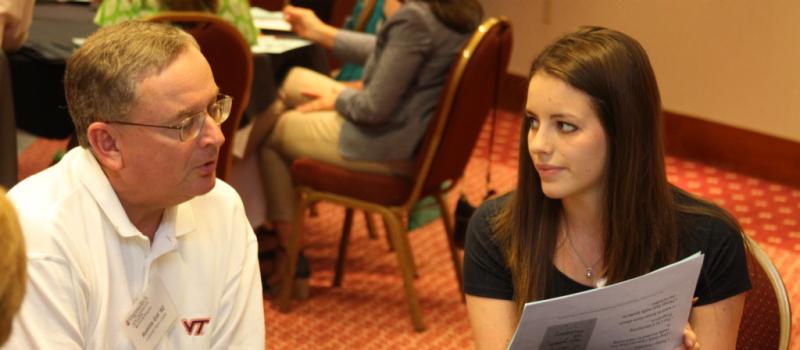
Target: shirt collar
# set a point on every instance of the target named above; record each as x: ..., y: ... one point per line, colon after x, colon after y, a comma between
x: 96, y: 181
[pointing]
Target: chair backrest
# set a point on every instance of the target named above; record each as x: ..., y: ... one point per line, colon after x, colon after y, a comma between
x: 231, y: 62
x: 767, y: 321
x: 467, y: 97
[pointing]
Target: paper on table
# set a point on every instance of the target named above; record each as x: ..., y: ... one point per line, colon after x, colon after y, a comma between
x: 647, y: 312
x: 271, y: 20
x: 276, y: 45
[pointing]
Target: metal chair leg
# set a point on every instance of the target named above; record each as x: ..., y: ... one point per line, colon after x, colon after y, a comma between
x: 404, y: 230
x: 454, y: 253
x: 348, y: 225
x: 407, y: 270
x: 373, y: 232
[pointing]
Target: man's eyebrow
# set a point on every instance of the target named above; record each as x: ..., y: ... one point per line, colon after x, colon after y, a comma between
x: 186, y: 112
x: 182, y: 114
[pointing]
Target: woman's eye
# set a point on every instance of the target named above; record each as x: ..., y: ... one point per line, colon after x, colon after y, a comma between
x: 533, y: 122
x: 566, y: 127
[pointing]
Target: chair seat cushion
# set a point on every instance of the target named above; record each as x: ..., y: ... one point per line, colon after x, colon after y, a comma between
x: 381, y: 189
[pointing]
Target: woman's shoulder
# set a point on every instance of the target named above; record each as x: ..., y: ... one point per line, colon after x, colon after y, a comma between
x: 707, y: 233
x: 416, y: 13
x: 491, y: 207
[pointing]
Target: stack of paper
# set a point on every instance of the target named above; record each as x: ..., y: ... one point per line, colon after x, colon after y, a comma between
x: 275, y: 45
x: 271, y: 20
x: 647, y: 312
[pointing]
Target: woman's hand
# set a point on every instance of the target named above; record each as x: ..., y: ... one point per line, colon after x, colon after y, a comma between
x: 307, y: 25
x: 689, y: 339
x: 322, y: 100
x: 356, y: 84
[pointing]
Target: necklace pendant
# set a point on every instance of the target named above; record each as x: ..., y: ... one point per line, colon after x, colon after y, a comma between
x: 589, y: 273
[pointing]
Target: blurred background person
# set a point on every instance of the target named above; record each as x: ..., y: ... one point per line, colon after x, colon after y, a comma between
x: 376, y: 129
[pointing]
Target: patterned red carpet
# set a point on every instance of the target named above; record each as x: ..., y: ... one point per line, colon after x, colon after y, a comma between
x: 370, y: 312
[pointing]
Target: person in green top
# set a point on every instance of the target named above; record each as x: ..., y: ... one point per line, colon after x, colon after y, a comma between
x: 235, y: 12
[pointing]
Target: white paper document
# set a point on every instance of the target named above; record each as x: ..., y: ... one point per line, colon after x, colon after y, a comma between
x: 647, y: 312
x: 276, y: 45
x: 271, y: 20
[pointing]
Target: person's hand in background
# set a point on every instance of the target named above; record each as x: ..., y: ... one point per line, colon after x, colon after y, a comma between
x: 307, y: 25
x: 322, y: 100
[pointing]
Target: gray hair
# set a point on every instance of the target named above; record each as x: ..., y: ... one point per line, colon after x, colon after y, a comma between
x: 102, y: 77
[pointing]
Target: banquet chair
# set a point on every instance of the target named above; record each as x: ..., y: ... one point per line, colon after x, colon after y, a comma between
x: 767, y: 321
x: 231, y: 62
x: 8, y: 128
x: 464, y: 103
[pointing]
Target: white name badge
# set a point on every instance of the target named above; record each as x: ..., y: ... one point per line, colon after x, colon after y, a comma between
x: 150, y: 317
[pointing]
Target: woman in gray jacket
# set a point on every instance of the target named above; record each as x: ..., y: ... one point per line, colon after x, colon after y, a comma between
x: 370, y: 126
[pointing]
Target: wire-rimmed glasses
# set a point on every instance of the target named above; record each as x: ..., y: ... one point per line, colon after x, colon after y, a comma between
x: 190, y: 127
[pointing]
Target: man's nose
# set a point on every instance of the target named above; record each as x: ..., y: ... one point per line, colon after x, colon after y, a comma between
x: 211, y: 133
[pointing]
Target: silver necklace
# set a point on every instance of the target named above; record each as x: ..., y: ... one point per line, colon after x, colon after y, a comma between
x: 589, y: 273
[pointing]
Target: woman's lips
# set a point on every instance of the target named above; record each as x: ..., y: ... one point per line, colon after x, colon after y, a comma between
x: 547, y: 170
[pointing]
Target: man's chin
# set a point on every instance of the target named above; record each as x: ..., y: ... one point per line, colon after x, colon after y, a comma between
x: 209, y: 184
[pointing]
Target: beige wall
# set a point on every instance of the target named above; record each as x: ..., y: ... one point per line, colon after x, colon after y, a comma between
x: 734, y: 62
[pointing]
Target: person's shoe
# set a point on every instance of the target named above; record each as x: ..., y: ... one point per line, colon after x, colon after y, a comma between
x: 302, y: 277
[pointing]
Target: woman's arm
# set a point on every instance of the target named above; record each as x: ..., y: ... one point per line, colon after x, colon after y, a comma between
x: 717, y: 325
x: 492, y: 322
x: 408, y: 46
x: 307, y: 25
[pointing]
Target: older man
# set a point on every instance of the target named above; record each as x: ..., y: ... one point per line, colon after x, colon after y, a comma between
x: 132, y: 242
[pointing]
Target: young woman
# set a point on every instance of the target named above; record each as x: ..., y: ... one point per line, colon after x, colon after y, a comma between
x: 371, y: 128
x: 593, y: 202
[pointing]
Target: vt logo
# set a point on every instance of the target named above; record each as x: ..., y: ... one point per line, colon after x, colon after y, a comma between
x: 195, y: 324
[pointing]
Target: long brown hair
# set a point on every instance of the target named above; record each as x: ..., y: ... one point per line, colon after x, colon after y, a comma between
x: 462, y: 16
x: 641, y: 209
x: 191, y: 5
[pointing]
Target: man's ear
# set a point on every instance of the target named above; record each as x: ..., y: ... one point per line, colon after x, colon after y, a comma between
x: 104, y: 139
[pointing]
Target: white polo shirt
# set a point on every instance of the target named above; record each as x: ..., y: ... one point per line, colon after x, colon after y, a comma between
x: 87, y: 263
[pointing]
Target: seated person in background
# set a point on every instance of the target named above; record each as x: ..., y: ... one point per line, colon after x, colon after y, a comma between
x: 235, y: 12
x: 136, y: 212
x: 375, y: 130
x: 15, y: 20
x: 12, y: 266
x: 593, y: 204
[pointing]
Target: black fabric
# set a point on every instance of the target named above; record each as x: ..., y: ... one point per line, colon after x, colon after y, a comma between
x: 37, y: 71
x: 39, y: 102
x: 723, y: 275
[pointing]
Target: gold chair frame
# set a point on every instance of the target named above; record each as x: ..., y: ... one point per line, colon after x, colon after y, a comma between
x: 780, y: 291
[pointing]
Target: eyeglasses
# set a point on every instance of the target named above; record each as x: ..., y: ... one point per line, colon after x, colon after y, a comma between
x: 191, y: 126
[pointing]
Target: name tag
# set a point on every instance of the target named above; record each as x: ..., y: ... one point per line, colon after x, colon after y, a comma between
x: 150, y: 317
